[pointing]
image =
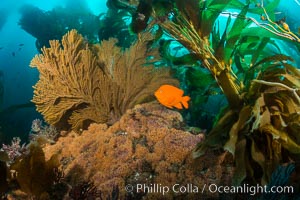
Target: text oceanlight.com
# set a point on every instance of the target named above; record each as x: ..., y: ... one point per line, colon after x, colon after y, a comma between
x: 211, y: 188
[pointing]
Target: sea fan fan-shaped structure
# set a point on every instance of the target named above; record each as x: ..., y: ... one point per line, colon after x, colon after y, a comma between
x: 82, y: 83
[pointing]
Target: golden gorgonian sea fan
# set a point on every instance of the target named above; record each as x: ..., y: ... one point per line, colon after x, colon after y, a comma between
x: 82, y: 83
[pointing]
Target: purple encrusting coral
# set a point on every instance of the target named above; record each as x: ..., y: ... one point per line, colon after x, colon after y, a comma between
x: 14, y: 150
x: 47, y: 132
x: 143, y: 147
x: 36, y: 125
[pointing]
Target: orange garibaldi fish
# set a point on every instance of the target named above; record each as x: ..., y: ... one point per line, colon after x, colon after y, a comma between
x: 171, y: 96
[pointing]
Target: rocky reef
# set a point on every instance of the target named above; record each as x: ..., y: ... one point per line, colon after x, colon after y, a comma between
x: 146, y: 146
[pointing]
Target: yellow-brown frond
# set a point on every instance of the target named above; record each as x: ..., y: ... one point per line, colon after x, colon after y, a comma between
x: 80, y: 84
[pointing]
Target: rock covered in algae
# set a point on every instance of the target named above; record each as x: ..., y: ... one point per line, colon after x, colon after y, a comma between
x: 145, y: 147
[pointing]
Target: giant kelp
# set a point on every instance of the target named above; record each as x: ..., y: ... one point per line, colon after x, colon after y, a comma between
x: 34, y: 174
x: 25, y: 168
x: 81, y: 83
x: 3, y: 177
x: 53, y: 24
x: 113, y: 24
x: 260, y: 126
